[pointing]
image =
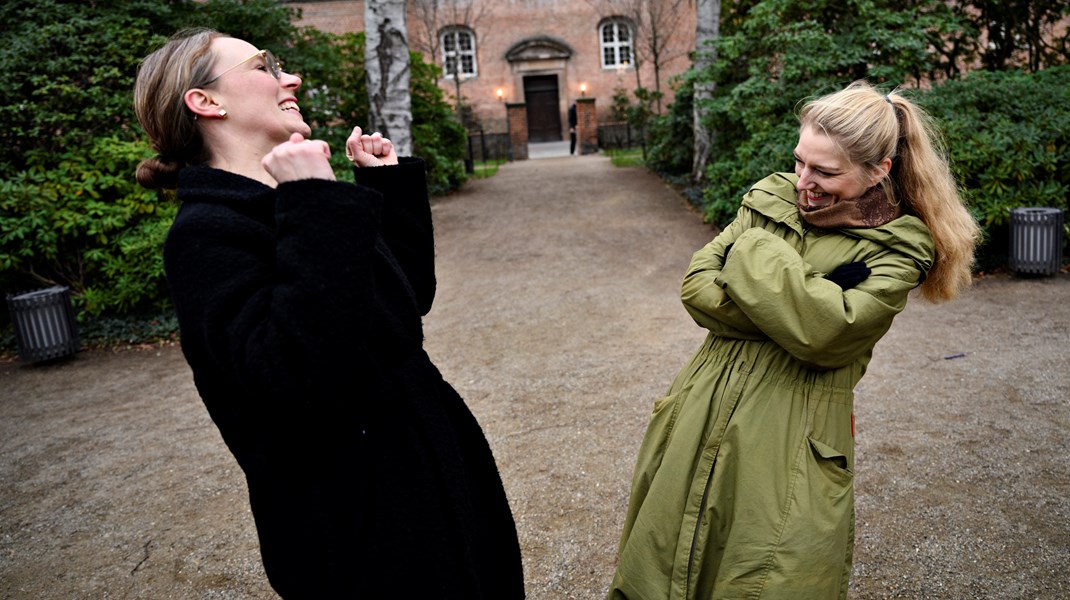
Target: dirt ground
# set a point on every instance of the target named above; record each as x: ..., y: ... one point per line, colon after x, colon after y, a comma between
x: 557, y: 318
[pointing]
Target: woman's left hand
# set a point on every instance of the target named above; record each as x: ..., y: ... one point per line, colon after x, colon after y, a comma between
x: 299, y: 159
x: 370, y: 150
x: 849, y: 275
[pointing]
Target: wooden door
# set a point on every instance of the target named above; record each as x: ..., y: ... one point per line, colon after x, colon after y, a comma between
x: 544, y: 116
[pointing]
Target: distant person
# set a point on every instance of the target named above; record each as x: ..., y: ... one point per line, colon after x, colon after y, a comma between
x: 572, y: 129
x: 744, y: 483
x: 299, y: 301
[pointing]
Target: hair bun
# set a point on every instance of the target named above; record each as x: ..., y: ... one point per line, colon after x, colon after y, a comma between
x: 158, y: 173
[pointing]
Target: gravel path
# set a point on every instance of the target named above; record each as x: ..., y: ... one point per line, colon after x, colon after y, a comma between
x: 557, y: 318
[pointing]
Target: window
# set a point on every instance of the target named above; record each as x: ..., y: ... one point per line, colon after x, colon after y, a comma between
x: 616, y: 43
x: 458, y: 52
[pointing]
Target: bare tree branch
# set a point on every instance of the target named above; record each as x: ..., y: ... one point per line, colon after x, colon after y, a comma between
x: 432, y: 16
x: 657, y: 24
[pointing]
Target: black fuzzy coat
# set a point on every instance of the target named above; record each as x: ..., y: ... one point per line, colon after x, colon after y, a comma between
x: 300, y: 315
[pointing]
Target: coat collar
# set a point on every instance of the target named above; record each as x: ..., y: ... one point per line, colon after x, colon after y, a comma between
x: 774, y: 197
x: 201, y: 184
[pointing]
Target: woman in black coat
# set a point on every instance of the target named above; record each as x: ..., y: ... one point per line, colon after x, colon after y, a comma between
x: 299, y: 301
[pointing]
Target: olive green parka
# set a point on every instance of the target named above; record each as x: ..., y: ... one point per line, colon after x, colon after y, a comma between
x: 743, y: 486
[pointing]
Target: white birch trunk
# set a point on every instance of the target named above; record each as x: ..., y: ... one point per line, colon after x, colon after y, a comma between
x: 707, y: 28
x: 386, y: 59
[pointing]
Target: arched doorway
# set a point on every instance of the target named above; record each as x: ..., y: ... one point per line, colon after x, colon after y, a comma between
x: 540, y: 67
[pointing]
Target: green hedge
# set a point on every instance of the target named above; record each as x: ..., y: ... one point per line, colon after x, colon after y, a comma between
x: 71, y: 212
x: 81, y: 218
x: 1007, y: 136
x: 1008, y: 140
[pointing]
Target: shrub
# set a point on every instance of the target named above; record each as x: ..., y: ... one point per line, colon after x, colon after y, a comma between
x: 1007, y: 132
x: 1008, y: 141
x: 438, y: 137
x: 671, y: 137
x: 70, y: 210
x: 79, y: 219
x: 1008, y: 137
x: 774, y: 53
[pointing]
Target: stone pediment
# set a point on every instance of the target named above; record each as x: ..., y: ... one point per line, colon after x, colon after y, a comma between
x: 538, y: 48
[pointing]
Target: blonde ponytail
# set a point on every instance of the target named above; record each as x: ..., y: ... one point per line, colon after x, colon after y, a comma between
x: 924, y: 179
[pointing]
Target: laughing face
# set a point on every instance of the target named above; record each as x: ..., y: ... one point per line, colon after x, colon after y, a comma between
x: 825, y: 175
x: 258, y: 105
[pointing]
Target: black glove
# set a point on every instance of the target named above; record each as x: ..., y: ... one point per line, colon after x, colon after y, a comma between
x: 849, y: 275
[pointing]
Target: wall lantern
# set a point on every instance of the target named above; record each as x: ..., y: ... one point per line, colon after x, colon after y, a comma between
x: 583, y: 89
x: 501, y: 95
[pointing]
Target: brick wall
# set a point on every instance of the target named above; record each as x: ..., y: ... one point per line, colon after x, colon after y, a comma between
x: 340, y: 16
x: 518, y: 130
x: 508, y: 22
x: 586, y: 125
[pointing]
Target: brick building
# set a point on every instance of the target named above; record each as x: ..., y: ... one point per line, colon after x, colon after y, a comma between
x: 544, y: 54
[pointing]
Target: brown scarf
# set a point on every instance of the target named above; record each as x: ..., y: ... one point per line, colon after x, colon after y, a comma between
x: 871, y: 209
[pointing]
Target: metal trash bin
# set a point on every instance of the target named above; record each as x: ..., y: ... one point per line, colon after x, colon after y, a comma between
x: 44, y: 324
x: 1036, y: 240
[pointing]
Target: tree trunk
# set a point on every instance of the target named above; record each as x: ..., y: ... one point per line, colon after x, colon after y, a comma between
x: 707, y: 28
x: 386, y: 59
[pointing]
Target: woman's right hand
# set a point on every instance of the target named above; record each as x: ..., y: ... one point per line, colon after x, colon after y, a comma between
x: 299, y: 158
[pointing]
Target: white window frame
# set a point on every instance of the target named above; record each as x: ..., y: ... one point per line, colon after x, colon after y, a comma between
x: 621, y: 51
x: 452, y: 40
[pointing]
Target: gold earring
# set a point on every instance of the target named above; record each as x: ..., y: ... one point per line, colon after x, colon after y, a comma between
x: 222, y: 113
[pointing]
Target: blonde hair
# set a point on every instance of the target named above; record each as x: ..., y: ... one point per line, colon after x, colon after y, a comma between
x: 870, y: 126
x: 163, y: 78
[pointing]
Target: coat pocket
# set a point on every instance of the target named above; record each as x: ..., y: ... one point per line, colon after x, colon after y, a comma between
x: 658, y: 433
x: 666, y: 409
x: 832, y: 462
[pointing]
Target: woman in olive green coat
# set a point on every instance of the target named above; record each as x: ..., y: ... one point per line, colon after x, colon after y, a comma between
x: 744, y: 481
